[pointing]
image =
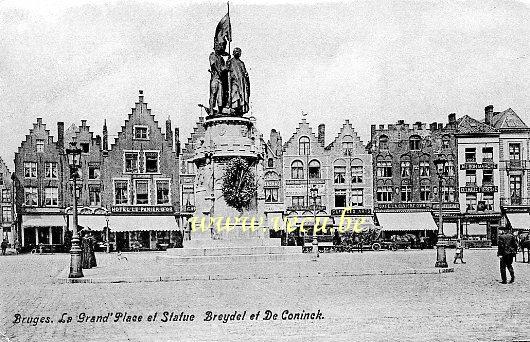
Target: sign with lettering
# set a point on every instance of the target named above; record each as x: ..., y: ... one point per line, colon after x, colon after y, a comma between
x: 475, y: 166
x: 352, y: 211
x: 411, y: 205
x: 486, y: 188
x: 141, y: 209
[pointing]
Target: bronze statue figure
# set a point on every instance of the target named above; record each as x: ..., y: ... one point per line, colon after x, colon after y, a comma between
x: 239, y: 84
x: 218, y: 79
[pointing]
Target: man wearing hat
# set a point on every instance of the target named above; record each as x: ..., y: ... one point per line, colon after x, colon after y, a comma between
x: 507, y: 249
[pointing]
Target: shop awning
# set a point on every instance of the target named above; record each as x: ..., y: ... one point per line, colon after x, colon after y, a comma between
x: 94, y: 222
x: 142, y: 223
x: 519, y: 220
x: 43, y: 221
x: 406, y: 221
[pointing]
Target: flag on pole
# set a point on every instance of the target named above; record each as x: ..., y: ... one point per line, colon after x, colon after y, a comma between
x: 223, y: 32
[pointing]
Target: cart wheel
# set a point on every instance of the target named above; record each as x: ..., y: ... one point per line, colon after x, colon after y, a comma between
x: 376, y: 246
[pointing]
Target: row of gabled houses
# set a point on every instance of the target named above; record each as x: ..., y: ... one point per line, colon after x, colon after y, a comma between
x: 141, y: 185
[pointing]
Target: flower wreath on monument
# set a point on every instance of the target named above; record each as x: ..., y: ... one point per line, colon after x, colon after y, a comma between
x: 239, y: 184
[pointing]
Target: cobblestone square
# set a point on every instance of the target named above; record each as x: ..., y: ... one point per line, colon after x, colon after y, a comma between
x: 467, y: 305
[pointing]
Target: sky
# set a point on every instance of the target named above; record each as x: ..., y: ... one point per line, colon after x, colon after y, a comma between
x: 372, y: 62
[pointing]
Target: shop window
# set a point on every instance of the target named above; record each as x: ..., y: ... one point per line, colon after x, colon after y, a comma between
x: 30, y: 196
x: 162, y: 192
x: 151, y: 162
x: 131, y: 162
x: 50, y: 170
x: 142, y: 192
x: 121, y: 192
x: 30, y: 170
x: 271, y: 195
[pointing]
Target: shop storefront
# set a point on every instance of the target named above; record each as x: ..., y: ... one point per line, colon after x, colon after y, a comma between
x: 42, y: 229
x: 400, y: 223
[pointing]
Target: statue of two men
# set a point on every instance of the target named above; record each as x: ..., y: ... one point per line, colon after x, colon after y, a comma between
x: 229, y: 82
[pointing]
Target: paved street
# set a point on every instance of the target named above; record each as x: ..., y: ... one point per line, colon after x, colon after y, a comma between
x: 467, y: 305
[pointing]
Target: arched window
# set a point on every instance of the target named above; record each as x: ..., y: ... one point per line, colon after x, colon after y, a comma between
x: 270, y: 162
x: 339, y: 172
x: 297, y: 170
x: 414, y: 143
x: 347, y: 145
x: 314, y: 169
x: 383, y: 142
x: 304, y: 146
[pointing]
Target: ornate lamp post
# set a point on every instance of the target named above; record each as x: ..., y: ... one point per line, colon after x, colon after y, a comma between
x: 440, y: 247
x: 314, y: 196
x: 107, y: 214
x: 74, y: 160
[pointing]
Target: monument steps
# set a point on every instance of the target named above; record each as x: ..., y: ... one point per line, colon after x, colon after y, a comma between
x: 233, y: 250
x: 233, y: 258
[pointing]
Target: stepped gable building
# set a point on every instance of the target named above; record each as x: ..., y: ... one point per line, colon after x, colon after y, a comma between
x: 90, y: 183
x: 341, y: 173
x: 187, y: 175
x: 141, y: 182
x: 273, y: 177
x: 41, y: 174
x: 514, y: 144
x: 350, y: 176
x: 478, y: 177
x: 406, y: 184
x: 7, y: 210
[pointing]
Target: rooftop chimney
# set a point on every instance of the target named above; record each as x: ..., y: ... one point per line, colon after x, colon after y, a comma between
x: 488, y: 114
x: 105, y: 137
x: 321, y: 134
x: 177, y: 141
x: 452, y: 118
x: 60, y: 135
x: 433, y: 126
x: 141, y: 97
x: 169, y: 132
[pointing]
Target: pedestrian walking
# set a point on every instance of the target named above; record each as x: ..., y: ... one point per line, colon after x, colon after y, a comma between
x: 4, y: 246
x: 507, y: 249
x: 459, y: 254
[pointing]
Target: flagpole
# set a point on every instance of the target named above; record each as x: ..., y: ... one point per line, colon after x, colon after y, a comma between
x: 229, y: 56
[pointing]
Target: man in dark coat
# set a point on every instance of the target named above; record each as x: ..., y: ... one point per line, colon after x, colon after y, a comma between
x: 507, y: 249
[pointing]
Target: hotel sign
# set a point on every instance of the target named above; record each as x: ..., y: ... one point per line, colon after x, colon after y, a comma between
x: 413, y: 205
x: 478, y: 166
x: 148, y: 209
x: 486, y: 188
x: 352, y: 211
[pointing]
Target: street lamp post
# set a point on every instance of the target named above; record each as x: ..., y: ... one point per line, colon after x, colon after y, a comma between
x: 108, y: 233
x: 314, y: 196
x: 74, y: 160
x: 441, y: 260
